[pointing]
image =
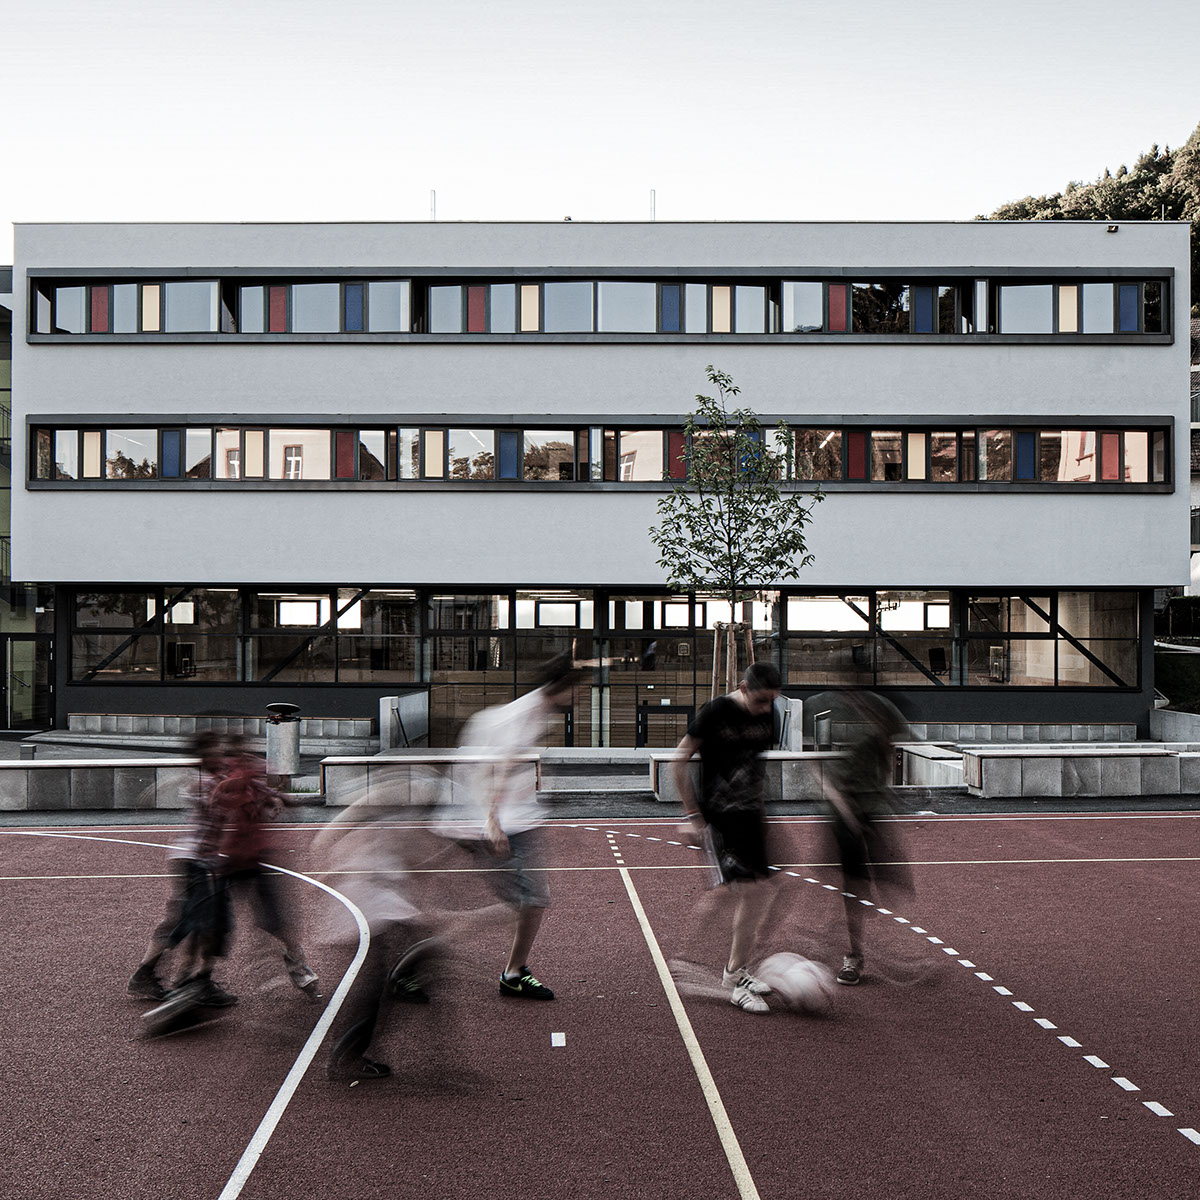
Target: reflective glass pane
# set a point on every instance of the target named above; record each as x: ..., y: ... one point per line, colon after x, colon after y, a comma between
x: 131, y: 453
x: 625, y: 307
x: 435, y: 454
x: 113, y: 610
x: 290, y: 610
x: 445, y: 310
x: 880, y: 308
x: 947, y: 300
x: 1008, y: 614
x: 1097, y: 308
x: 504, y: 307
x: 1137, y: 457
x: 885, y: 455
x: 913, y: 661
x: 549, y: 454
x: 1152, y: 306
x: 377, y: 659
x: 995, y: 454
x: 530, y: 308
x: 190, y: 307
x: 1099, y: 614
x: 229, y: 454
x: 695, y: 307
x: 125, y: 306
x: 1015, y: 661
x: 389, y: 612
x: 914, y: 455
x: 408, y: 460
x: 43, y: 313
x: 151, y: 304
x: 372, y: 454
x: 66, y: 454
x: 387, y: 306
x: 1127, y: 307
x: 299, y: 454
x: 1027, y: 308
x: 468, y: 611
x: 803, y: 308
x: 472, y: 453
x: 291, y: 658
x: 316, y: 308
x: 197, y: 453
x: 671, y: 302
x: 943, y: 457
x: 640, y: 456
x: 818, y: 454
x: 192, y: 656
x: 1077, y: 669
x: 833, y: 614
x: 750, y: 312
x: 69, y: 310
x: 114, y: 656
x: 253, y: 467
x: 830, y: 660
x: 912, y: 611
x: 250, y: 310
x: 568, y: 307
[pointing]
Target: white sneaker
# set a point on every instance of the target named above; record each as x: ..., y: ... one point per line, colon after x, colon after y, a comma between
x: 742, y: 978
x: 747, y: 1001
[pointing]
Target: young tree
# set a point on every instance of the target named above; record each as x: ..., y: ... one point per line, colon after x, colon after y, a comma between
x: 731, y: 529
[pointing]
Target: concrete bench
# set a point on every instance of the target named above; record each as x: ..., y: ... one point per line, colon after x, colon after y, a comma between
x: 790, y: 775
x: 414, y: 779
x: 1006, y: 772
x: 55, y: 785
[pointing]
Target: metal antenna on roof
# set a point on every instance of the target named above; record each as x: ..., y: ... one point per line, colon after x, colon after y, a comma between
x: 652, y: 204
x: 432, y: 205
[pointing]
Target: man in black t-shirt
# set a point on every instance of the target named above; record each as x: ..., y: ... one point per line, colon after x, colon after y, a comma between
x: 729, y: 735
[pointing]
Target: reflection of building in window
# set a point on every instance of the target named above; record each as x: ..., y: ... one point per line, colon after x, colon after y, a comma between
x: 293, y: 462
x: 233, y: 464
x: 627, y: 461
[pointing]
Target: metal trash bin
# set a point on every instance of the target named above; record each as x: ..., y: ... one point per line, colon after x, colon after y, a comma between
x: 283, y: 739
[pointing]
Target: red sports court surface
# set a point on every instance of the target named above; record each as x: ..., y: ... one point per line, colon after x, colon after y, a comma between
x: 1031, y: 1034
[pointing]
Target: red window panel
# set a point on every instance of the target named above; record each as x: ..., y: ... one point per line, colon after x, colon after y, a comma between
x: 99, y: 309
x: 856, y: 454
x: 676, y: 454
x: 343, y: 453
x: 476, y: 310
x: 277, y: 310
x: 838, y: 308
x: 1110, y: 457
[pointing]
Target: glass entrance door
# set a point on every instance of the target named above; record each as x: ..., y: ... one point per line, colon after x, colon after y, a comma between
x: 26, y: 682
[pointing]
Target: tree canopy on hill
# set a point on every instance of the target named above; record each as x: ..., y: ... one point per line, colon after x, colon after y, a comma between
x: 1162, y: 184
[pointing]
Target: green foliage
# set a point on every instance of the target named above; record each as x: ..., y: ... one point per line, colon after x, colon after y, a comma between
x: 731, y: 529
x: 1162, y: 184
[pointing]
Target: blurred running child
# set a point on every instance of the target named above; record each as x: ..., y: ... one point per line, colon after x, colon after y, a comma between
x: 858, y: 793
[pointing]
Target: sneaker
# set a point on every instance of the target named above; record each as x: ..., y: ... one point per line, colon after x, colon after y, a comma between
x: 357, y: 1068
x: 407, y: 978
x: 742, y: 978
x: 212, y: 995
x: 145, y: 984
x: 525, y: 986
x: 851, y: 972
x: 303, y: 977
x: 747, y: 1001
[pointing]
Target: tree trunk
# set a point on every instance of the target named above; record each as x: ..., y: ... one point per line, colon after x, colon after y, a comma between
x: 749, y: 631
x: 731, y: 658
x: 716, y: 660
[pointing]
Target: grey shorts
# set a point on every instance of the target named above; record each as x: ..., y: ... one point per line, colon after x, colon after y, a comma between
x: 519, y: 879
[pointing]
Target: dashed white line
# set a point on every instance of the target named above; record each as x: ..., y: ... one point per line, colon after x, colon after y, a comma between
x: 887, y: 912
x: 1069, y: 1041
x: 984, y: 976
x: 1001, y: 991
x: 1157, y: 1109
x: 1021, y: 1006
x: 1124, y: 1084
x: 1191, y: 1135
x: 1096, y: 1061
x: 558, y: 1039
x: 949, y: 950
x: 937, y: 941
x: 1045, y: 1024
x: 901, y: 920
x: 829, y: 887
x: 918, y: 929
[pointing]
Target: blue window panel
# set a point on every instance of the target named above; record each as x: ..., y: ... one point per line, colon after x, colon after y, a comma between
x: 751, y: 461
x: 670, y: 308
x: 510, y: 453
x: 1026, y: 456
x: 172, y: 453
x: 1128, y: 308
x: 924, y: 309
x: 354, y: 308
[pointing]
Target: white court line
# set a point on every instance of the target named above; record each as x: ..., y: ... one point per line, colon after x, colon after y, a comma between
x: 1157, y: 1109
x: 1096, y: 1061
x: 712, y: 1097
x: 266, y: 1127
x: 558, y: 1039
x: 1124, y: 1083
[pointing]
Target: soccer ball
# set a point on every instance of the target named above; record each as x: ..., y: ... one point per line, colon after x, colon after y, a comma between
x: 800, y: 983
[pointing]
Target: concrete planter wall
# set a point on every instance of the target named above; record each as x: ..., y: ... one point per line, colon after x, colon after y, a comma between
x: 1068, y: 771
x: 414, y: 780
x: 97, y: 784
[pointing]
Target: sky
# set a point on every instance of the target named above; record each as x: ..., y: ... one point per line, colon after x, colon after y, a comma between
x: 296, y: 110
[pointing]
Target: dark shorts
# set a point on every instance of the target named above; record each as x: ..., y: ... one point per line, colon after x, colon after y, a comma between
x: 738, y: 844
x: 519, y: 879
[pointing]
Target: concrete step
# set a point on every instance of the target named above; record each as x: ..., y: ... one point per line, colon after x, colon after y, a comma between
x: 596, y: 783
x: 590, y: 795
x: 309, y: 747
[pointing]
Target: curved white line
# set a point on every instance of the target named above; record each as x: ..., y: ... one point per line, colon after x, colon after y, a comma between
x: 266, y: 1127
